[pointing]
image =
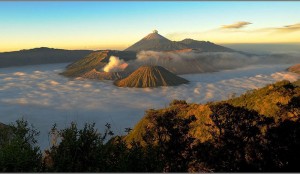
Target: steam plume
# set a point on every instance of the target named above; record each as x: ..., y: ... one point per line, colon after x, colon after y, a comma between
x: 115, y: 65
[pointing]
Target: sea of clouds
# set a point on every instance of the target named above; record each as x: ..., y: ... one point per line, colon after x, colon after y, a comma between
x: 41, y: 96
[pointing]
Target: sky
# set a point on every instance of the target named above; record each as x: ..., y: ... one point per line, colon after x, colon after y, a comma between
x: 117, y: 25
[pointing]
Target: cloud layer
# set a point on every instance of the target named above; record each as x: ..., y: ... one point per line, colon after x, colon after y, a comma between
x: 288, y: 28
x: 197, y: 62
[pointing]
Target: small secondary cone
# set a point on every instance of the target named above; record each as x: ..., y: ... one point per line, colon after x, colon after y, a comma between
x: 150, y: 76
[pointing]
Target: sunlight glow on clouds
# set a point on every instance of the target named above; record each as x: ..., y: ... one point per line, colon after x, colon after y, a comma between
x: 236, y: 25
x: 289, y: 28
x: 235, y: 33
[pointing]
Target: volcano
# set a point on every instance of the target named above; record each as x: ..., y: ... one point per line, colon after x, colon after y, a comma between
x: 91, y: 66
x: 150, y: 76
x: 155, y: 42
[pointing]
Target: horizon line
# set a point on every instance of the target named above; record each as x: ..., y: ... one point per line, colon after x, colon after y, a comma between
x: 99, y: 49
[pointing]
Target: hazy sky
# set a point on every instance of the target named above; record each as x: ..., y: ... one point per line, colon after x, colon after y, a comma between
x: 117, y: 25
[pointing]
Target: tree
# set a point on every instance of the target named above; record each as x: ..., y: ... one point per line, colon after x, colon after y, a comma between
x: 171, y: 140
x: 239, y: 143
x: 291, y: 110
x: 18, y: 149
x: 78, y: 151
x: 283, y: 142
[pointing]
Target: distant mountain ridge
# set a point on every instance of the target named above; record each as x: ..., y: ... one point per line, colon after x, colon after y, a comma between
x: 42, y: 55
x: 157, y: 42
x: 205, y: 46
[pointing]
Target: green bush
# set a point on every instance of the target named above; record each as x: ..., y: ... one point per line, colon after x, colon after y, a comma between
x: 18, y: 148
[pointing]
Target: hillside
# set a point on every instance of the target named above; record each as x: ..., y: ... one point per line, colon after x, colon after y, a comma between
x: 95, y: 61
x: 295, y: 68
x: 270, y: 100
x: 41, y: 55
x: 279, y: 101
x: 150, y: 76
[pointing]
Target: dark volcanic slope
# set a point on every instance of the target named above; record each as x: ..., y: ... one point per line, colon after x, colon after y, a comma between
x: 86, y: 64
x: 150, y: 76
x: 40, y: 56
x: 91, y: 65
x: 155, y: 42
x: 101, y: 75
x: 204, y: 46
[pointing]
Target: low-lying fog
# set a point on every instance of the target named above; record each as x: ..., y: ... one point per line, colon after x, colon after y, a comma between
x: 43, y: 97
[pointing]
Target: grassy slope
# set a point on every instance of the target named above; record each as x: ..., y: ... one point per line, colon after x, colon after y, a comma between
x: 200, y: 130
x: 264, y: 100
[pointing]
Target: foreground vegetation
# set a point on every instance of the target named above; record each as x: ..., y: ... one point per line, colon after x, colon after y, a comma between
x: 256, y: 132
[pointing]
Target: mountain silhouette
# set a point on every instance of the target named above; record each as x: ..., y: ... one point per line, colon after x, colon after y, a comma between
x: 41, y: 55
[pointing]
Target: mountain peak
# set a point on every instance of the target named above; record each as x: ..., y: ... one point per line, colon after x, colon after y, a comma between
x: 155, y: 36
x: 188, y: 39
x: 155, y: 42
